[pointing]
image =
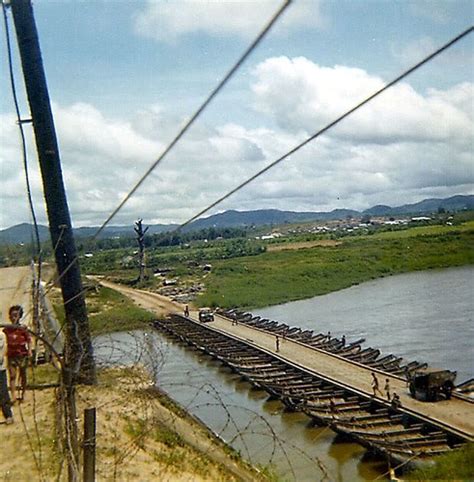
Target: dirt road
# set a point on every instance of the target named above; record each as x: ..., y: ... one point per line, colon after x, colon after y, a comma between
x: 15, y: 289
x: 160, y: 305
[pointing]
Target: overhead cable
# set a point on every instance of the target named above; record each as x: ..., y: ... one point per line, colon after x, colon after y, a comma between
x: 20, y: 123
x: 188, y: 124
x: 328, y: 126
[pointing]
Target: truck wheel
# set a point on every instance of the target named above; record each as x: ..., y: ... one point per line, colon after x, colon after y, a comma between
x: 447, y: 389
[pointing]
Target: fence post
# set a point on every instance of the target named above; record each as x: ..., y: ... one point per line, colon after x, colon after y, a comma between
x: 89, y: 445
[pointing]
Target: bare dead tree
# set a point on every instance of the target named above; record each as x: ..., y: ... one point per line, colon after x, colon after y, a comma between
x: 141, y: 246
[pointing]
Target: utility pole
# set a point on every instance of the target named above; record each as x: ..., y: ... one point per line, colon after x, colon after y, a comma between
x: 141, y: 246
x: 79, y: 359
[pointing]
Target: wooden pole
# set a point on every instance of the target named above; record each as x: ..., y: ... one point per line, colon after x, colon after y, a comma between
x: 79, y: 353
x: 89, y: 444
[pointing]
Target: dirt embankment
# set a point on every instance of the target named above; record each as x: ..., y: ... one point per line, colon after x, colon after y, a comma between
x: 141, y: 435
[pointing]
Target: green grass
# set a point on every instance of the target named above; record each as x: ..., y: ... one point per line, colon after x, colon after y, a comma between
x: 43, y: 374
x: 111, y: 311
x: 424, y: 231
x: 157, y: 431
x: 458, y: 465
x: 277, y: 277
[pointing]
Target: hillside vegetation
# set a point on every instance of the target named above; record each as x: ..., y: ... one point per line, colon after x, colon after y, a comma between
x: 277, y: 277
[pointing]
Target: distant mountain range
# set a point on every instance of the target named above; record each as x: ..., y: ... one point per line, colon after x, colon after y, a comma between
x: 21, y: 233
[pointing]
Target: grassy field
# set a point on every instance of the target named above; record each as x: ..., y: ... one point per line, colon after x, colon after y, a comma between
x: 109, y: 311
x: 458, y: 465
x: 277, y: 277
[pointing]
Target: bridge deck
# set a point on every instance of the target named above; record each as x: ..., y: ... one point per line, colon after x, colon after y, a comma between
x: 455, y: 413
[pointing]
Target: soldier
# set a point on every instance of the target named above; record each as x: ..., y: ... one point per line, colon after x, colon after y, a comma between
x: 396, y: 402
x: 387, y: 388
x: 375, y: 385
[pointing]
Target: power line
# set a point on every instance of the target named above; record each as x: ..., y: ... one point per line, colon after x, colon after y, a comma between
x: 36, y: 243
x: 20, y: 123
x: 327, y: 127
x: 188, y: 124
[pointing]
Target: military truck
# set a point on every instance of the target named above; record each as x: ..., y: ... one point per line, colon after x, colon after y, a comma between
x: 431, y: 385
x: 206, y: 314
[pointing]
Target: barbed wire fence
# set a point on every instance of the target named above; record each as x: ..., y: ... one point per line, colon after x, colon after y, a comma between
x: 237, y: 424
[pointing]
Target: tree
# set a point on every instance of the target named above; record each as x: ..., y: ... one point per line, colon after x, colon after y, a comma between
x: 141, y: 246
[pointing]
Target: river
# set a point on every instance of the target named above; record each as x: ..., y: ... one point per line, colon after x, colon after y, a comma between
x: 425, y: 316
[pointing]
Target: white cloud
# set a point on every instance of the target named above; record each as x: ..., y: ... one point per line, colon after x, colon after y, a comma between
x: 166, y: 21
x: 436, y: 11
x: 303, y: 96
x: 411, y: 53
x: 403, y: 149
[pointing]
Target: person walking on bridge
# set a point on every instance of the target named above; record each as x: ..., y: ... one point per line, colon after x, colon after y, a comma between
x: 387, y: 389
x: 375, y: 385
x: 277, y: 343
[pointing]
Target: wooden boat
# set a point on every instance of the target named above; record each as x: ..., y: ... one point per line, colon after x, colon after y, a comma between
x: 291, y: 330
x: 281, y: 329
x: 315, y: 340
x: 386, y: 431
x: 366, y: 355
x: 410, y: 368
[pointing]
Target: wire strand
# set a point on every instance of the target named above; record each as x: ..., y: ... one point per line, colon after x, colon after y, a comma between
x: 20, y: 127
x: 201, y: 109
x: 327, y: 127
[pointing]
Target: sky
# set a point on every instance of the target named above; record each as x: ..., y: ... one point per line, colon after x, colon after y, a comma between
x: 124, y: 76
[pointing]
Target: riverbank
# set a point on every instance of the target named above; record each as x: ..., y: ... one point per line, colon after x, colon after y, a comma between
x: 288, y: 275
x: 141, y: 434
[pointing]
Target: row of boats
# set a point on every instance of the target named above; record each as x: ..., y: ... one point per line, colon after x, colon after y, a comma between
x: 352, y: 351
x: 378, y: 425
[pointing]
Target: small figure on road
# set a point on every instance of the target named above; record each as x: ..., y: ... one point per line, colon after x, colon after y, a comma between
x: 18, y: 352
x: 375, y: 385
x: 396, y: 402
x: 186, y: 311
x: 387, y: 388
x: 5, y: 402
x: 277, y: 343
